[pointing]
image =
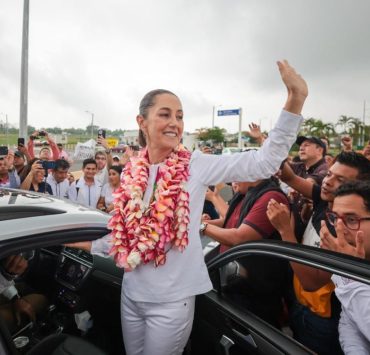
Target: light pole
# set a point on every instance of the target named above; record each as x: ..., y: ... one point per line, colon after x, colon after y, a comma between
x: 24, y: 73
x: 6, y: 128
x: 92, y: 123
x: 364, y: 123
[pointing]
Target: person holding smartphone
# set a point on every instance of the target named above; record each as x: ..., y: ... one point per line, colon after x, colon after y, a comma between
x: 45, y: 153
x: 104, y: 160
x: 36, y: 179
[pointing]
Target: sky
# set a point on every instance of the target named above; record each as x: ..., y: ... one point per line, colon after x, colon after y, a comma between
x: 103, y: 56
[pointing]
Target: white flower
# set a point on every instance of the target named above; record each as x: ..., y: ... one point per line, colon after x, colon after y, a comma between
x: 134, y: 259
x: 142, y: 246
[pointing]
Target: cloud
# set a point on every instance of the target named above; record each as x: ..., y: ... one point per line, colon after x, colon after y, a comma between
x: 103, y: 57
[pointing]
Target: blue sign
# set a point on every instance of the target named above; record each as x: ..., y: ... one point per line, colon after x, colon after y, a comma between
x: 228, y: 112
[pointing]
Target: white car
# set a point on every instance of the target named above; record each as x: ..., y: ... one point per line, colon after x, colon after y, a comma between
x: 83, y: 290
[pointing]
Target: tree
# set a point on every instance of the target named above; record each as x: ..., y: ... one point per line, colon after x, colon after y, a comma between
x: 352, y: 126
x: 215, y: 134
x: 318, y: 128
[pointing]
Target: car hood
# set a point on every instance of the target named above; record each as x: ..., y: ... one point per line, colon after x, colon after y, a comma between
x: 28, y: 213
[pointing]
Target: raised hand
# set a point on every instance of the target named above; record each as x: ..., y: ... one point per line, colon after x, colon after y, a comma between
x: 255, y: 133
x: 296, y: 86
x: 347, y: 143
x: 340, y: 244
x: 279, y: 216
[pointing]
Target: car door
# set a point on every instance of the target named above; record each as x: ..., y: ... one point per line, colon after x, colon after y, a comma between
x: 240, y: 322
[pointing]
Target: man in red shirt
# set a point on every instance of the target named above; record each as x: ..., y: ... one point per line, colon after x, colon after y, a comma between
x: 246, y: 220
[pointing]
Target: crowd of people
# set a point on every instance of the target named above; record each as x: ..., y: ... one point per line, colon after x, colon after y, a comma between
x: 314, y: 198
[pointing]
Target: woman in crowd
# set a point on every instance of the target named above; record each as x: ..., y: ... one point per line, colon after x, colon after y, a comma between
x: 35, y: 179
x: 105, y: 202
x: 155, y: 227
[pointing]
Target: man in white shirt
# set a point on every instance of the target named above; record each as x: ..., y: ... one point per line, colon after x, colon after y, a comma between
x: 104, y: 161
x: 58, y: 178
x: 86, y: 190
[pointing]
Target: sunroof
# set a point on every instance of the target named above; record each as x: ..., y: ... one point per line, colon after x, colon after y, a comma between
x: 23, y: 198
x: 18, y: 212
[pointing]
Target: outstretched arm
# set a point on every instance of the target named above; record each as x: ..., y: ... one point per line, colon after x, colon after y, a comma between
x: 303, y: 186
x: 261, y: 164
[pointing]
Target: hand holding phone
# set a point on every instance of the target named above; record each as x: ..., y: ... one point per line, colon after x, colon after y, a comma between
x: 20, y: 142
x: 3, y: 151
x: 101, y: 133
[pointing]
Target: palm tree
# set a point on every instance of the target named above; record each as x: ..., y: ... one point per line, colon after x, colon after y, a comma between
x: 352, y: 126
x: 317, y: 127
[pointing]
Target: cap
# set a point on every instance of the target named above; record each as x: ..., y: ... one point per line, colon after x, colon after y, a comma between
x: 316, y: 140
x: 19, y: 154
x: 116, y: 157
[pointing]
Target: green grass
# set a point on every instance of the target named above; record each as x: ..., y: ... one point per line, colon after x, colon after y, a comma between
x: 12, y: 139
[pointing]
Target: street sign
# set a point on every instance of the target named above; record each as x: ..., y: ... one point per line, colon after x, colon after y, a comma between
x: 228, y: 112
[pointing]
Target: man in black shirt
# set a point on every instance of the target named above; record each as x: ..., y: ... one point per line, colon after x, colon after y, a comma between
x: 315, y: 314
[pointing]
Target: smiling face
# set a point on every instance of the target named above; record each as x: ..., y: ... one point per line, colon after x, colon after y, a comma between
x: 163, y: 125
x: 114, y: 177
x: 353, y: 206
x: 89, y: 171
x: 336, y: 176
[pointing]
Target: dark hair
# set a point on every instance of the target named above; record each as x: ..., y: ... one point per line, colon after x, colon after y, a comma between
x: 61, y: 164
x: 116, y: 168
x: 356, y: 161
x: 356, y: 187
x: 88, y: 161
x: 100, y: 152
x: 146, y: 102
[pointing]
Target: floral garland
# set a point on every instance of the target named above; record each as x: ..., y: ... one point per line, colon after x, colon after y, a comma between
x: 140, y: 233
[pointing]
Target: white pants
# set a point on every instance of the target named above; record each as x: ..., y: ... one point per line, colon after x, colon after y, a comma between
x: 156, y: 328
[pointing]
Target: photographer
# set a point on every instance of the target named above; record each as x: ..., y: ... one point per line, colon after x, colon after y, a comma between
x: 35, y: 179
x: 104, y: 161
x: 45, y: 153
x: 58, y: 178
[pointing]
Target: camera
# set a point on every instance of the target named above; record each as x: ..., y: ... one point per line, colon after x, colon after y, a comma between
x: 3, y: 151
x: 20, y: 141
x: 42, y: 133
x: 47, y: 164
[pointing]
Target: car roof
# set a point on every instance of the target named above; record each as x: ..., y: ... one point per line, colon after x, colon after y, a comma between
x: 28, y: 213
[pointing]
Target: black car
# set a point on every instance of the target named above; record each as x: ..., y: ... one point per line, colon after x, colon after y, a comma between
x: 77, y: 285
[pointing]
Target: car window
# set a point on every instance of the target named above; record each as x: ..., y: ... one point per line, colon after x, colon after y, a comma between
x: 259, y: 284
x: 267, y: 287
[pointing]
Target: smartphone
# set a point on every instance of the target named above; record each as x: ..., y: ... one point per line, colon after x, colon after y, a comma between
x: 48, y: 164
x: 101, y: 133
x: 21, y: 141
x: 3, y: 150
